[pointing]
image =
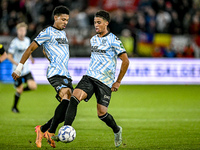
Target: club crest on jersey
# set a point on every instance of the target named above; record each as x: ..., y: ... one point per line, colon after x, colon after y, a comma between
x: 61, y: 41
x: 104, y: 42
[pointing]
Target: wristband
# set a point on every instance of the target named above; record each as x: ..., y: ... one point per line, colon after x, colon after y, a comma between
x: 19, y: 69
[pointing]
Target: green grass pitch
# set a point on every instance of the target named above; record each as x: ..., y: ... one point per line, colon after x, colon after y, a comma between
x: 165, y: 117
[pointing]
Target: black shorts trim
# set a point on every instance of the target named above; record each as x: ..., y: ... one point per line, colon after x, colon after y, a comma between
x: 23, y: 79
x: 92, y: 86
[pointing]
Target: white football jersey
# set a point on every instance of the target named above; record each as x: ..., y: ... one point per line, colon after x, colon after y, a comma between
x: 17, y: 49
x: 56, y: 47
x: 104, y: 52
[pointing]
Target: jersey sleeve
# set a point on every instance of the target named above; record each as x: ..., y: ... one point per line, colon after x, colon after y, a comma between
x: 12, y: 48
x: 118, y: 46
x: 2, y: 50
x: 42, y: 37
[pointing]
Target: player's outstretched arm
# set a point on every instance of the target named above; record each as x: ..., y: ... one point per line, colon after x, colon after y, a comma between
x: 3, y: 57
x: 123, y: 69
x: 11, y: 59
x: 16, y: 74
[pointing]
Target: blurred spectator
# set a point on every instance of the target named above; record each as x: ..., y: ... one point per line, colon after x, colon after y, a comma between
x: 117, y: 21
x: 179, y: 54
x: 158, y: 5
x: 4, y: 17
x: 197, y: 40
x: 170, y: 52
x: 128, y: 41
x: 46, y: 11
x: 196, y: 46
x: 168, y: 7
x: 141, y: 22
x: 149, y: 15
x: 195, y: 25
x: 151, y: 20
x: 41, y: 23
x: 182, y: 7
x: 157, y: 52
x: 82, y: 20
x: 62, y: 2
x: 31, y: 31
x: 90, y: 13
x: 186, y: 22
x: 163, y: 20
x: 188, y: 51
x: 12, y: 21
x: 175, y: 24
x: 144, y: 3
x: 175, y: 17
x: 34, y: 8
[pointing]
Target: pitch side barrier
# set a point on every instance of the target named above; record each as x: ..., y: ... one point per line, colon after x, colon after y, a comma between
x: 140, y: 71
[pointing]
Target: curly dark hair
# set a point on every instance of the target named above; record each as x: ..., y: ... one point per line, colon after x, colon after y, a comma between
x: 60, y: 10
x: 103, y: 14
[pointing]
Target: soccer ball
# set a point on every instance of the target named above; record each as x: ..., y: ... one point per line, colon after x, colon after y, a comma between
x: 66, y: 134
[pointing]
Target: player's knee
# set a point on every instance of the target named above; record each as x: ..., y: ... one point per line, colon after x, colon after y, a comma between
x: 33, y: 86
x: 19, y: 91
x: 101, y: 112
x: 80, y: 94
x: 65, y: 93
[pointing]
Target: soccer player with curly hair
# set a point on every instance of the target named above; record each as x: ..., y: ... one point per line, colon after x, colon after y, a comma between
x: 56, y: 49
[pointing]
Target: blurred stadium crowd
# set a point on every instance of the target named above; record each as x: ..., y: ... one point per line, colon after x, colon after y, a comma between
x: 147, y: 28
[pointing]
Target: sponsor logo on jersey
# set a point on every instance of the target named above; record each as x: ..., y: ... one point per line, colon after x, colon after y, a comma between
x: 61, y: 41
x: 21, y: 50
x: 95, y: 49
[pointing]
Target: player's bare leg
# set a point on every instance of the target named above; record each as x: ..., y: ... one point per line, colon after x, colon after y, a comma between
x: 31, y: 84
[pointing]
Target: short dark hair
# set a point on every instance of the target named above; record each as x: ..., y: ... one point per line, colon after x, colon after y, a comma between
x: 60, y: 10
x: 103, y: 14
